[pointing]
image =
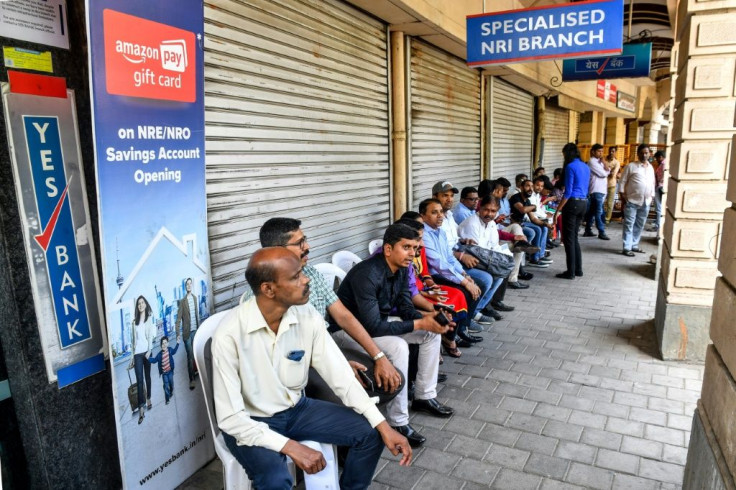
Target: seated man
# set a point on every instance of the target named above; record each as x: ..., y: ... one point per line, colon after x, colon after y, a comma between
x: 467, y: 204
x: 371, y: 290
x: 260, y: 356
x: 482, y: 229
x: 500, y: 190
x: 478, y: 286
x: 286, y: 232
x: 524, y: 213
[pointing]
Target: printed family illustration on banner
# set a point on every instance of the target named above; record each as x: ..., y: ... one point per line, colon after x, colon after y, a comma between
x: 148, y: 111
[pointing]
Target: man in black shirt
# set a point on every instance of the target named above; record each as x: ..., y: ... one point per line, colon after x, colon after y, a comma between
x: 376, y: 291
x: 521, y: 207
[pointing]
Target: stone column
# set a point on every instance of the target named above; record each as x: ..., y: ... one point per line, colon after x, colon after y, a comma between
x: 704, y: 103
x: 615, y: 131
x: 591, y: 128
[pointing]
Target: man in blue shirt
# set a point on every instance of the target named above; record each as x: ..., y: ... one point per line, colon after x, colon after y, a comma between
x: 574, y: 202
x: 466, y: 207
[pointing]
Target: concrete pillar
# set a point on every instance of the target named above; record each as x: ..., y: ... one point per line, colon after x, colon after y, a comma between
x: 632, y: 133
x: 705, y: 106
x: 615, y: 131
x: 651, y: 133
x: 591, y: 128
x: 399, y: 161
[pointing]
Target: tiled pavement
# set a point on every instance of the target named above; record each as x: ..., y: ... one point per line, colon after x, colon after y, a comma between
x: 565, y: 392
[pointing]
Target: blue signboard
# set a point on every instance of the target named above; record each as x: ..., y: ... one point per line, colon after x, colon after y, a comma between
x: 633, y: 62
x: 57, y: 239
x: 572, y: 30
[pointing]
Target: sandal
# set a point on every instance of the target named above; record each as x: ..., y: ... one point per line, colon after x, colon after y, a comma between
x: 140, y: 417
x: 638, y: 250
x: 451, y: 351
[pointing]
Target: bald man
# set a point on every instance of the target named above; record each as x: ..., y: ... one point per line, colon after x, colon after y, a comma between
x: 261, y: 354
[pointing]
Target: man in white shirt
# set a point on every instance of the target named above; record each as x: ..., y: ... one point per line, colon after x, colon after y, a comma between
x: 597, y: 190
x: 637, y: 189
x: 261, y: 354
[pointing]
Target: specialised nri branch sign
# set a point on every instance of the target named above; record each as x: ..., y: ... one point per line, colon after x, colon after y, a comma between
x: 569, y: 30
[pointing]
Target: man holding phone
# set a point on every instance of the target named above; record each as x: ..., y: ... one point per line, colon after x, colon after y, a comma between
x: 376, y: 291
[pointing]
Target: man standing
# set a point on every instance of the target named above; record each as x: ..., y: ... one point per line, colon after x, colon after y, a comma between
x: 637, y: 189
x: 596, y: 193
x: 187, y: 317
x: 287, y: 233
x: 261, y: 353
x: 466, y: 207
x: 659, y: 187
x: 376, y: 291
x: 613, y: 166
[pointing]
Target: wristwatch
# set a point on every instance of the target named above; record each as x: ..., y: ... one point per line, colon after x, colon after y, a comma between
x: 378, y: 356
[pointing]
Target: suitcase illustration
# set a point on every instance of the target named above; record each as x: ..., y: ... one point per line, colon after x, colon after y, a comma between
x: 132, y: 393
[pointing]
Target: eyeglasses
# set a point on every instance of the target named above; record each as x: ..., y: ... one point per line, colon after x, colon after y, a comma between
x: 301, y: 243
x: 472, y: 199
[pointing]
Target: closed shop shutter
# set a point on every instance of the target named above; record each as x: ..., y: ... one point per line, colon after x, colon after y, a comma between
x: 296, y: 103
x: 511, y: 137
x: 445, y: 134
x: 556, y: 135
x: 574, y: 127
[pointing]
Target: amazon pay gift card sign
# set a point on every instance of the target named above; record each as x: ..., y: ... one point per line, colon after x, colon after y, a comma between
x: 148, y: 59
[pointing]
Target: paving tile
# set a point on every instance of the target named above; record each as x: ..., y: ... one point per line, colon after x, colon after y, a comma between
x: 500, y: 435
x: 601, y: 438
x: 576, y: 451
x: 590, y: 476
x: 663, y: 472
x: 575, y: 402
x: 489, y: 413
x: 594, y: 393
x: 511, y: 389
x: 539, y: 444
x: 507, y: 456
x: 562, y: 430
x: 587, y: 419
x: 629, y: 482
x: 517, y: 480
x: 619, y: 462
x: 642, y: 447
x: 464, y: 426
x: 627, y: 427
x: 674, y: 454
x: 612, y: 409
x: 437, y: 461
x: 669, y: 406
x: 653, y: 417
x: 548, y: 484
x: 538, y: 395
x: 548, y: 466
x: 631, y: 399
x: 399, y: 476
x: 564, y: 387
x: 682, y: 422
x: 435, y: 481
x: 552, y: 412
x: 468, y: 446
x: 476, y: 471
x: 663, y: 434
x: 518, y: 405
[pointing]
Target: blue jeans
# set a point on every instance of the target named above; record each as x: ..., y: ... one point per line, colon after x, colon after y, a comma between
x: 168, y: 384
x: 595, y: 211
x: 142, y: 378
x: 313, y: 420
x: 634, y: 219
x: 487, y: 284
x: 540, y: 238
x: 658, y: 206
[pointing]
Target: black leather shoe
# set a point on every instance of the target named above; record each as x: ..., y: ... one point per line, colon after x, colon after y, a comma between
x: 588, y: 233
x: 578, y: 273
x: 518, y: 285
x: 501, y: 306
x: 524, y: 247
x: 468, y: 338
x: 432, y: 407
x: 463, y: 344
x: 415, y: 438
x: 603, y: 236
x: 564, y: 275
x: 441, y: 377
x: 489, y: 311
x: 525, y: 276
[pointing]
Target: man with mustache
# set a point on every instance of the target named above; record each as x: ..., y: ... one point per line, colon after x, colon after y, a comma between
x: 287, y: 233
x: 261, y: 353
x: 376, y: 291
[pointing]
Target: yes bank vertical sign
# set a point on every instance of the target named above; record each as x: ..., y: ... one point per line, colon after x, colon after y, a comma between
x: 147, y: 80
x: 569, y: 30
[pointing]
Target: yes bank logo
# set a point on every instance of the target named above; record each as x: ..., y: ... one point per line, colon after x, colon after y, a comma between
x: 148, y: 59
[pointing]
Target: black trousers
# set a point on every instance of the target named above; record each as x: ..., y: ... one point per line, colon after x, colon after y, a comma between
x: 572, y: 217
x: 500, y: 293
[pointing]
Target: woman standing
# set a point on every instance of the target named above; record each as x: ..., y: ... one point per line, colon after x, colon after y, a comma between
x: 576, y: 177
x: 144, y: 333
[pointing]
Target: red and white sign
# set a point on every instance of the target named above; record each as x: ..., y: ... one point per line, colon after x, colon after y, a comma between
x: 606, y: 91
x: 148, y: 59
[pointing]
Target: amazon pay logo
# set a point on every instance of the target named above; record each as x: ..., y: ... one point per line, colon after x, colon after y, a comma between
x: 148, y: 59
x: 174, y: 55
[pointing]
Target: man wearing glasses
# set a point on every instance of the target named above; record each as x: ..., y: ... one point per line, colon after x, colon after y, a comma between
x: 287, y: 233
x: 467, y: 205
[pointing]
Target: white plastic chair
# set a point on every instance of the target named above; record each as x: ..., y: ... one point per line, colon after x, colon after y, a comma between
x: 333, y: 274
x: 233, y: 474
x: 345, y: 259
x: 374, y: 245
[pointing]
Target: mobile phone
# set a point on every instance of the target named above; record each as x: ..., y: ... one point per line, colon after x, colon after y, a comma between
x: 367, y: 381
x: 441, y: 319
x: 447, y: 308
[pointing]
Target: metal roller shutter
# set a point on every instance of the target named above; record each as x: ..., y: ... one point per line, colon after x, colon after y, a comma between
x: 445, y: 139
x: 296, y: 103
x: 511, y: 135
x: 556, y: 134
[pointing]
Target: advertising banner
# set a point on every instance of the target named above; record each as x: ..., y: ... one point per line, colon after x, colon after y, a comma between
x: 147, y: 78
x: 633, y: 62
x: 569, y: 30
x: 47, y: 165
x: 626, y: 102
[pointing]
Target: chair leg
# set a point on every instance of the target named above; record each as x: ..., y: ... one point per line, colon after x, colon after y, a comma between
x: 326, y: 479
